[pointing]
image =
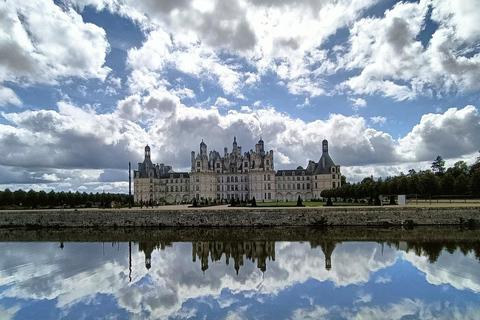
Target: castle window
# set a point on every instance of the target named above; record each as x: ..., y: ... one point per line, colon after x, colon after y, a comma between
x: 333, y: 176
x: 308, y: 185
x: 293, y: 173
x: 181, y: 176
x: 333, y: 184
x: 236, y: 179
x: 333, y: 169
x: 198, y: 163
x: 218, y: 165
x: 228, y: 179
x: 303, y: 173
x: 298, y: 186
x: 268, y: 162
x: 283, y: 173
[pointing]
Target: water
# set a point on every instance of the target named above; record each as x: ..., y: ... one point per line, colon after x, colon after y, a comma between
x: 288, y: 273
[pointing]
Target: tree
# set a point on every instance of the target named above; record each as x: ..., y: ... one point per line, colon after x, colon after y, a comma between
x: 327, y: 193
x: 438, y: 166
x: 31, y: 199
x: 475, y: 182
x: 52, y: 198
x: 428, y: 183
x: 254, y: 202
x: 42, y: 198
x: 461, y: 185
x: 7, y: 198
x: 447, y: 184
x: 299, y: 202
x: 19, y: 197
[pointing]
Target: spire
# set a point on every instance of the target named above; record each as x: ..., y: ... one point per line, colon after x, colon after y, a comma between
x: 325, y: 146
x: 147, y: 152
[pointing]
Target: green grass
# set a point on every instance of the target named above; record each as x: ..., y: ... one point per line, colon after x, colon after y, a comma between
x: 289, y: 204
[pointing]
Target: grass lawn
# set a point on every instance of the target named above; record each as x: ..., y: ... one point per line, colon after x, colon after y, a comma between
x: 289, y: 204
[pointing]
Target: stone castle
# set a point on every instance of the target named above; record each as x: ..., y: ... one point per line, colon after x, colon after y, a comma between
x: 234, y: 176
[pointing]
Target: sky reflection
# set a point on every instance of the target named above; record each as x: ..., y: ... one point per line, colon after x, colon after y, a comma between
x: 236, y: 280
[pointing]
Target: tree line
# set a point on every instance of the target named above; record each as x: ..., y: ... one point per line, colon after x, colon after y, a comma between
x: 41, y: 199
x: 460, y: 180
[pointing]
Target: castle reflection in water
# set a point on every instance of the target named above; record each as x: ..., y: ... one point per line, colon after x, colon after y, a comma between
x: 254, y: 251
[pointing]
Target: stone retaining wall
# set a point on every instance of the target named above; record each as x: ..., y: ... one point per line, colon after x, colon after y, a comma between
x: 343, y: 216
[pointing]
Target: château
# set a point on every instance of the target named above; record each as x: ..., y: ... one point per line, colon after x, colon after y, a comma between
x: 234, y: 175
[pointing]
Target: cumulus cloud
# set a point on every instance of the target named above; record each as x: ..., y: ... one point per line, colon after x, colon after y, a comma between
x: 8, y: 96
x: 61, y: 139
x: 75, y: 138
x: 358, y: 103
x: 453, y: 133
x: 392, y: 61
x: 41, y: 42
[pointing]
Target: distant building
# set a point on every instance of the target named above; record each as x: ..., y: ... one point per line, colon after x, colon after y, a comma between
x: 234, y: 176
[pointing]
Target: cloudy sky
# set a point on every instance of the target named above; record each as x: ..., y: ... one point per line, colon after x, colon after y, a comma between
x: 86, y: 84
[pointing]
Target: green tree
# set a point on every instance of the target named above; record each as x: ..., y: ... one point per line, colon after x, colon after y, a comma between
x: 447, y: 184
x: 31, y: 199
x: 7, y: 198
x: 461, y: 185
x: 429, y: 184
x: 475, y: 183
x: 438, y: 166
x: 19, y: 197
x: 52, y: 198
x: 299, y: 202
x: 42, y: 198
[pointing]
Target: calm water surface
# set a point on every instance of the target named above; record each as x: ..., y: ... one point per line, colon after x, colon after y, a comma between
x: 240, y: 279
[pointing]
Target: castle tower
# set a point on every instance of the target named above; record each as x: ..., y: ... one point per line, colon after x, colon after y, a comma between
x: 327, y: 248
x: 262, y: 146
x: 147, y: 152
x: 325, y: 146
x: 203, y: 149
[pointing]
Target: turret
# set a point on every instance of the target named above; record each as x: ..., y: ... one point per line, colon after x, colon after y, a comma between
x: 325, y: 146
x: 192, y: 155
x: 203, y: 149
x: 147, y: 152
x: 262, y: 147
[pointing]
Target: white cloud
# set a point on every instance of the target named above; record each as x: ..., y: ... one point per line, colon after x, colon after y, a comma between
x: 378, y: 119
x: 8, y: 96
x: 40, y: 42
x: 223, y: 103
x: 393, y: 62
x: 451, y: 134
x: 358, y: 103
x: 445, y: 270
x: 382, y: 279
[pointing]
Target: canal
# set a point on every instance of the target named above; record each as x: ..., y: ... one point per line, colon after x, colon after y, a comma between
x: 240, y: 273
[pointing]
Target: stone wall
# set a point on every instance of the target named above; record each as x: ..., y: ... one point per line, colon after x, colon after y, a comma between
x: 344, y: 216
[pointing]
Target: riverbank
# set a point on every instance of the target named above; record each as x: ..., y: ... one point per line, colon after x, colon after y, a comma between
x: 223, y: 216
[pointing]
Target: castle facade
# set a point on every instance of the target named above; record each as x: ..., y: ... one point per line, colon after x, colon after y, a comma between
x: 234, y: 176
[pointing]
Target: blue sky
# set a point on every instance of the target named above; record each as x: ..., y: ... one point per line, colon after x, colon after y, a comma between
x: 86, y: 84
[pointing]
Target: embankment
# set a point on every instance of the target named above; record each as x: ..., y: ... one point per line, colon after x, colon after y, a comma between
x: 253, y: 217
